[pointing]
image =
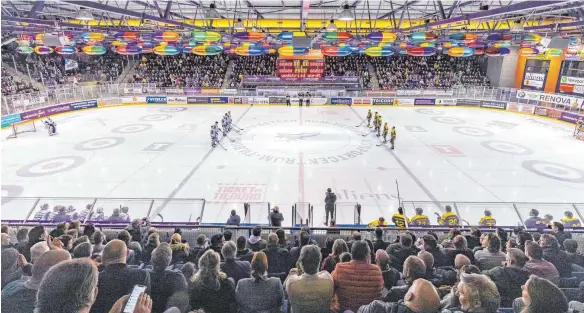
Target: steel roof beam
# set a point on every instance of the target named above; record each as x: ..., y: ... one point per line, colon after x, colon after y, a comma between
x: 36, y: 7
x: 51, y: 23
x: 402, y: 8
x: 167, y: 12
x: 441, y: 8
x: 249, y: 5
x: 157, y: 8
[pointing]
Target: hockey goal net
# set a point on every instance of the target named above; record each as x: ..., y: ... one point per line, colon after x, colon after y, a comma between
x: 21, y: 127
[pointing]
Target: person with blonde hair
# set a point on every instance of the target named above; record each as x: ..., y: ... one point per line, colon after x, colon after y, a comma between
x: 210, y: 289
x: 474, y: 293
x: 259, y: 293
x: 180, y: 250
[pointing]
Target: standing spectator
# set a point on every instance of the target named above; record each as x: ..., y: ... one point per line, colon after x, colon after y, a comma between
x: 422, y: 297
x: 210, y: 289
x: 20, y: 296
x: 574, y: 257
x: 234, y: 219
x: 413, y: 269
x: 492, y: 256
x: 278, y: 258
x: 117, y: 279
x: 540, y: 296
x: 329, y: 203
x: 510, y: 277
x: 255, y: 242
x: 259, y: 293
x: 475, y: 293
x: 276, y: 217
x: 164, y: 282
x: 153, y: 242
x: 180, y: 250
x: 309, y: 290
x: 537, y: 265
x: 232, y: 267
x: 553, y: 254
x: 357, y: 282
x: 331, y: 261
x: 399, y: 252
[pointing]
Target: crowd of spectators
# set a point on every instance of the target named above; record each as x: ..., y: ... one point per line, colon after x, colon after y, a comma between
x: 70, y: 269
x: 352, y: 65
x: 433, y: 72
x: 183, y: 70
x: 13, y: 85
x: 251, y: 65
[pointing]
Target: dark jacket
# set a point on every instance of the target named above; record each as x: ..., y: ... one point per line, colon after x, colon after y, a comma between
x: 165, y: 284
x: 244, y: 255
x: 390, y: 277
x: 18, y: 298
x: 212, y: 300
x: 279, y: 260
x: 236, y: 269
x: 180, y: 254
x: 329, y: 201
x: 233, y: 220
x: 439, y: 259
x: 397, y: 293
x: 147, y: 253
x: 330, y: 263
x: 447, y: 274
x: 276, y: 218
x: 202, y: 251
x: 559, y: 259
x: 450, y: 255
x: 398, y: 255
x: 256, y: 244
x: 561, y: 236
x: 509, y: 281
x: 115, y: 281
x: 135, y: 233
x: 194, y: 254
x: 378, y: 306
x: 576, y: 258
x: 379, y: 244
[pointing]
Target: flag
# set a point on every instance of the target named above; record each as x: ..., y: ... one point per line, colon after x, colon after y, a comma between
x: 70, y: 64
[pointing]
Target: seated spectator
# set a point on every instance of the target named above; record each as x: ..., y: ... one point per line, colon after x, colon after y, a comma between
x: 503, y: 237
x: 259, y: 293
x: 522, y: 238
x: 574, y: 257
x: 431, y: 274
x: 421, y: 297
x: 355, y: 237
x: 117, y: 279
x: 136, y: 249
x: 279, y: 262
x: 12, y: 264
x: 227, y: 235
x: 474, y: 240
x: 243, y: 253
x: 459, y: 243
x: 216, y: 245
x: 558, y: 229
x: 180, y: 250
x: 20, y: 296
x: 164, y: 282
x: 232, y: 267
x: 339, y: 247
x: 345, y: 257
x: 295, y: 252
x: 210, y: 289
x: 399, y: 252
x: 537, y: 265
x: 447, y: 242
x: 255, y: 242
x: 234, y: 219
x: 6, y: 242
x: 413, y: 269
x: 390, y: 275
x: 476, y: 293
x: 188, y: 270
x: 83, y: 250
x: 357, y: 282
x: 194, y: 253
x: 430, y: 244
x: 36, y: 234
x: 553, y: 254
x: 153, y: 242
x: 492, y: 256
x: 309, y: 290
x: 136, y: 230
x: 379, y: 243
x: 69, y: 286
x: 510, y: 277
x: 37, y: 250
x: 540, y: 296
x: 99, y: 242
x: 22, y: 238
x: 282, y: 241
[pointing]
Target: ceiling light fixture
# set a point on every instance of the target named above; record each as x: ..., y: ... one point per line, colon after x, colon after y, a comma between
x: 346, y: 14
x: 517, y: 27
x: 84, y: 15
x: 239, y: 25
x: 331, y: 27
x: 212, y: 14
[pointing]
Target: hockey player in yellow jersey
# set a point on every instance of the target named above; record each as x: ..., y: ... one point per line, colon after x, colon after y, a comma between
x: 488, y: 220
x: 420, y: 219
x: 570, y: 220
x: 448, y: 218
x: 379, y: 123
x: 369, y: 115
x: 392, y: 140
x: 378, y: 223
x: 385, y: 131
x: 399, y: 219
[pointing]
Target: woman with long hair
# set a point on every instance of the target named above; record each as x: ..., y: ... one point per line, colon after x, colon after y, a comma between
x: 259, y: 293
x: 210, y: 289
x: 180, y: 250
x: 339, y: 247
x: 542, y: 296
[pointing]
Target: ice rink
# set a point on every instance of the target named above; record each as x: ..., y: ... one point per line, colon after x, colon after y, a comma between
x: 286, y: 155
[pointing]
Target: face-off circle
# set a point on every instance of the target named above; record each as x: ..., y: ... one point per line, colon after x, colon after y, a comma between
x: 10, y: 191
x: 447, y: 120
x: 99, y: 143
x: 172, y: 110
x: 51, y: 166
x: 554, y: 171
x: 472, y: 131
x: 155, y: 117
x: 131, y: 128
x: 506, y: 147
x: 429, y: 111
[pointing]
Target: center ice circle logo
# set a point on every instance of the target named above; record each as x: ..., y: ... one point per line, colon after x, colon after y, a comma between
x: 314, y: 142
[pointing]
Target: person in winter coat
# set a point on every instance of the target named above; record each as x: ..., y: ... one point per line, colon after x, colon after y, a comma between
x: 278, y: 259
x: 153, y: 242
x: 390, y: 275
x: 553, y: 254
x: 421, y: 297
x: 329, y: 204
x: 164, y: 282
x: 234, y: 219
x: 233, y: 268
x: 259, y: 293
x: 511, y: 277
x: 210, y: 289
x: 357, y: 282
x: 180, y: 251
x: 574, y: 257
x: 243, y: 253
x: 537, y: 265
x: 331, y: 261
x: 255, y: 242
x: 399, y: 252
x: 414, y: 268
x: 491, y: 256
x: 474, y: 293
x: 276, y: 217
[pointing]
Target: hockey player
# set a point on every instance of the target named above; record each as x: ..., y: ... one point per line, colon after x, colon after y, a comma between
x: 229, y: 120
x: 392, y: 140
x: 224, y: 124
x: 488, y: 220
x: 385, y: 131
x: 369, y: 115
x: 214, y: 134
x: 420, y: 219
x: 379, y: 124
x: 399, y: 218
x: 448, y: 218
x: 375, y: 118
x: 579, y: 131
x: 51, y: 126
x: 570, y: 220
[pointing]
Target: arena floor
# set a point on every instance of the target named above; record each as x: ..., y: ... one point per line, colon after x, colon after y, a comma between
x: 286, y: 155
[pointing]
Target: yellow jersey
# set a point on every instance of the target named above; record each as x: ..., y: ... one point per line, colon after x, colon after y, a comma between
x: 488, y: 221
x: 369, y: 114
x: 375, y: 223
x: 449, y: 219
x: 393, y: 133
x: 571, y: 222
x: 385, y: 129
x: 420, y: 220
x: 400, y: 220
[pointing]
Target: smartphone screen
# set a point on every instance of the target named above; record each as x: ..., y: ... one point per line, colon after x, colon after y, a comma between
x: 131, y: 304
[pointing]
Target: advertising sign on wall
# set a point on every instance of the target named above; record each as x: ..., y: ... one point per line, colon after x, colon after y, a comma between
x: 197, y: 100
x: 55, y: 109
x: 239, y: 100
x: 570, y: 84
x: 362, y: 101
x: 404, y: 101
x: 549, y: 112
x: 278, y: 100
x: 553, y: 98
x: 33, y: 114
x: 570, y: 117
x: 424, y: 101
x: 176, y: 100
x: 10, y: 119
x: 501, y: 105
x: 534, y: 80
x: 469, y: 102
x: 109, y: 102
x: 382, y: 101
x: 83, y: 105
x: 259, y: 100
x: 133, y: 100
x: 156, y: 99
x: 446, y: 101
x: 218, y: 100
x: 347, y: 101
x: 133, y: 90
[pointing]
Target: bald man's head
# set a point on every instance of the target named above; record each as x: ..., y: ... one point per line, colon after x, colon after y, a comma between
x: 272, y: 239
x: 114, y: 252
x: 461, y: 260
x: 422, y: 297
x: 45, y: 261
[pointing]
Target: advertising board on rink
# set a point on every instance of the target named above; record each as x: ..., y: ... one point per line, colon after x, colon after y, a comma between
x: 520, y: 107
x: 176, y: 100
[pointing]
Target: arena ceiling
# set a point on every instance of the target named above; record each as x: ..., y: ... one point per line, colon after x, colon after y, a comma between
x: 290, y: 15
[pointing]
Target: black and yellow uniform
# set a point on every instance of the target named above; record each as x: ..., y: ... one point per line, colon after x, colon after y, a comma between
x: 448, y: 219
x: 400, y: 220
x: 369, y: 115
x: 379, y: 123
x: 392, y: 140
x: 376, y: 223
x: 488, y: 221
x: 385, y: 131
x: 420, y: 220
x: 571, y: 222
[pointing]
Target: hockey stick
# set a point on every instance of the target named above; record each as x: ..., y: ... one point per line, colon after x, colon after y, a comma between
x: 381, y: 144
x: 361, y: 123
x: 221, y: 145
x: 368, y: 133
x: 224, y: 133
x: 236, y: 126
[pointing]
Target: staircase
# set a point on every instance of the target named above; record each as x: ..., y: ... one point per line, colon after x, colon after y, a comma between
x: 8, y: 66
x: 128, y: 72
x: 227, y: 74
x: 373, y: 77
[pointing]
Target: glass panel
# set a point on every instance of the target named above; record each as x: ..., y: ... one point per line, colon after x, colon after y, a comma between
x: 179, y: 210
x: 501, y: 214
x: 301, y: 214
x: 546, y: 213
x: 259, y: 213
x: 119, y: 210
x: 16, y: 209
x: 62, y: 209
x: 345, y: 214
x: 430, y: 209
